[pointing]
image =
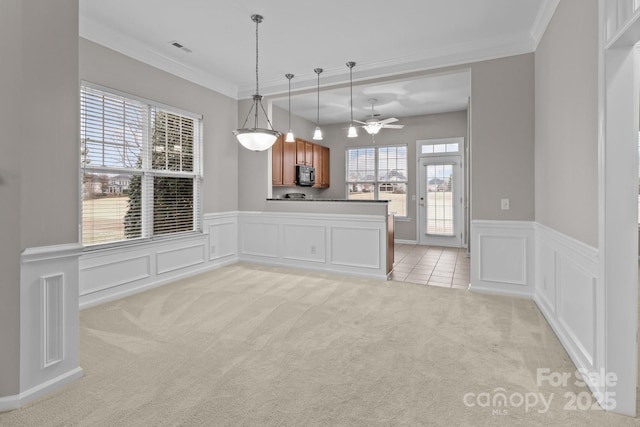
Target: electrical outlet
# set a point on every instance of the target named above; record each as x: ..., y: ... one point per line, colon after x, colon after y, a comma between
x: 504, y: 204
x: 313, y: 250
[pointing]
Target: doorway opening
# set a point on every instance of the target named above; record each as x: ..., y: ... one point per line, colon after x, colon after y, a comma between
x: 441, y: 190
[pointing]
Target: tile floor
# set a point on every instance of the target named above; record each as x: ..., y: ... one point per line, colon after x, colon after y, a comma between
x: 432, y: 265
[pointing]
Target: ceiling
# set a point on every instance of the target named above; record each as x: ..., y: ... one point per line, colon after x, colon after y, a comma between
x: 384, y: 38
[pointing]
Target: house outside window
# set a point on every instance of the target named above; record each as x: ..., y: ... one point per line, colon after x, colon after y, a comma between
x: 140, y: 168
x: 378, y: 173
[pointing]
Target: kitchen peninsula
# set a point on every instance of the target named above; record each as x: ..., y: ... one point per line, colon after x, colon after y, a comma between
x: 343, y: 236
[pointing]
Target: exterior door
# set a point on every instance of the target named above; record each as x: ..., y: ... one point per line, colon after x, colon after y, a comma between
x: 440, y: 201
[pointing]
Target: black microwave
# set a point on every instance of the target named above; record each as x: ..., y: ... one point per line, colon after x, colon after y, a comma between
x: 305, y: 176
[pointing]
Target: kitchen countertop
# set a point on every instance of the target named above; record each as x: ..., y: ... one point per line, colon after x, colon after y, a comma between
x: 327, y: 200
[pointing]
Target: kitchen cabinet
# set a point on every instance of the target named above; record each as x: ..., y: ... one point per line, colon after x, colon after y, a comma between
x: 304, y: 152
x: 308, y: 153
x: 276, y: 161
x: 321, y: 164
x: 286, y: 155
x: 326, y: 170
x: 289, y: 164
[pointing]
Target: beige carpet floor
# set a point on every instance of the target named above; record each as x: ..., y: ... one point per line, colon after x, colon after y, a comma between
x: 253, y: 345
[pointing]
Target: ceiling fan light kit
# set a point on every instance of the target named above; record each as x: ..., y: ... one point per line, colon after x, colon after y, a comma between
x: 373, y: 125
x: 255, y: 138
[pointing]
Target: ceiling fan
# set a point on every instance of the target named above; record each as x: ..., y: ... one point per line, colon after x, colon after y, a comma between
x: 373, y: 125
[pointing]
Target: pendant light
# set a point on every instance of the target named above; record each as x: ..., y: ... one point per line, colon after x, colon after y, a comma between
x: 255, y: 138
x: 317, y: 135
x: 353, y: 132
x: 290, y: 137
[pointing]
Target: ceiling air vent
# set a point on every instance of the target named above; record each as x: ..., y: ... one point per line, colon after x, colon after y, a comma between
x: 180, y: 46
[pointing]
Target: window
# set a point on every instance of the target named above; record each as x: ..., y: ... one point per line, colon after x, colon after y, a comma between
x: 379, y: 173
x: 140, y: 165
x: 440, y: 148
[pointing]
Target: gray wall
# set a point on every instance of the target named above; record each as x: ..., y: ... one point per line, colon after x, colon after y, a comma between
x: 502, y: 138
x: 40, y: 149
x: 254, y: 181
x: 220, y: 153
x: 566, y: 126
x: 10, y: 119
x: 416, y: 128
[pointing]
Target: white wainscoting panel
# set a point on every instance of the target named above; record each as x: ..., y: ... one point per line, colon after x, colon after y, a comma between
x: 503, y: 257
x: 567, y: 292
x: 177, y: 258
x: 52, y: 319
x: 49, y: 354
x: 111, y: 273
x: 351, y: 244
x: 368, y: 253
x: 97, y: 274
x: 260, y: 239
x: 223, y: 238
x: 304, y: 242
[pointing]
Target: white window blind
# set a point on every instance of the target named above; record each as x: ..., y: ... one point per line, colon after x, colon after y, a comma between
x: 141, y: 168
x: 379, y: 173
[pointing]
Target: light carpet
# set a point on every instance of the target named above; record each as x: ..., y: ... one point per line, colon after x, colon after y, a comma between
x: 254, y: 345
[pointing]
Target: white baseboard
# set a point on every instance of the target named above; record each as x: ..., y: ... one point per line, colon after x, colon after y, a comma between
x: 10, y: 403
x: 405, y: 242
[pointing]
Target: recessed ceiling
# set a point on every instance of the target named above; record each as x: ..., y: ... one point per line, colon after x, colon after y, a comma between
x: 395, y: 98
x: 384, y: 38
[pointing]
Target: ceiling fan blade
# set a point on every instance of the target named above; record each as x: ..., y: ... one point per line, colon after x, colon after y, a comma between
x: 362, y: 123
x: 389, y: 120
x: 393, y: 126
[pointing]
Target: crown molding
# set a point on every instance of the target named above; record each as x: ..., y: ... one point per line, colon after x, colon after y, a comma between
x: 483, y: 50
x: 476, y: 51
x: 104, y: 36
x: 542, y: 20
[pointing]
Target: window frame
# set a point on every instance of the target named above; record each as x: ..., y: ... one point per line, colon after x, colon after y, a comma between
x: 147, y: 172
x: 376, y: 183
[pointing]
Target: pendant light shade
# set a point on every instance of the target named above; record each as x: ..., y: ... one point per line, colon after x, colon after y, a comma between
x: 317, y: 135
x: 289, y: 137
x: 353, y: 132
x: 255, y: 138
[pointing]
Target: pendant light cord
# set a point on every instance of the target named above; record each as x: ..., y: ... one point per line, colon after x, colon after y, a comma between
x: 351, y: 90
x: 290, y: 100
x: 255, y: 123
x: 318, y: 71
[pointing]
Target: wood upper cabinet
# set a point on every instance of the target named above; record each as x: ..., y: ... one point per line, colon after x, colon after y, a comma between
x: 276, y: 161
x: 317, y: 164
x: 286, y: 155
x: 304, y: 152
x: 308, y: 153
x: 300, y: 151
x: 326, y: 169
x: 288, y: 164
x: 321, y: 160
